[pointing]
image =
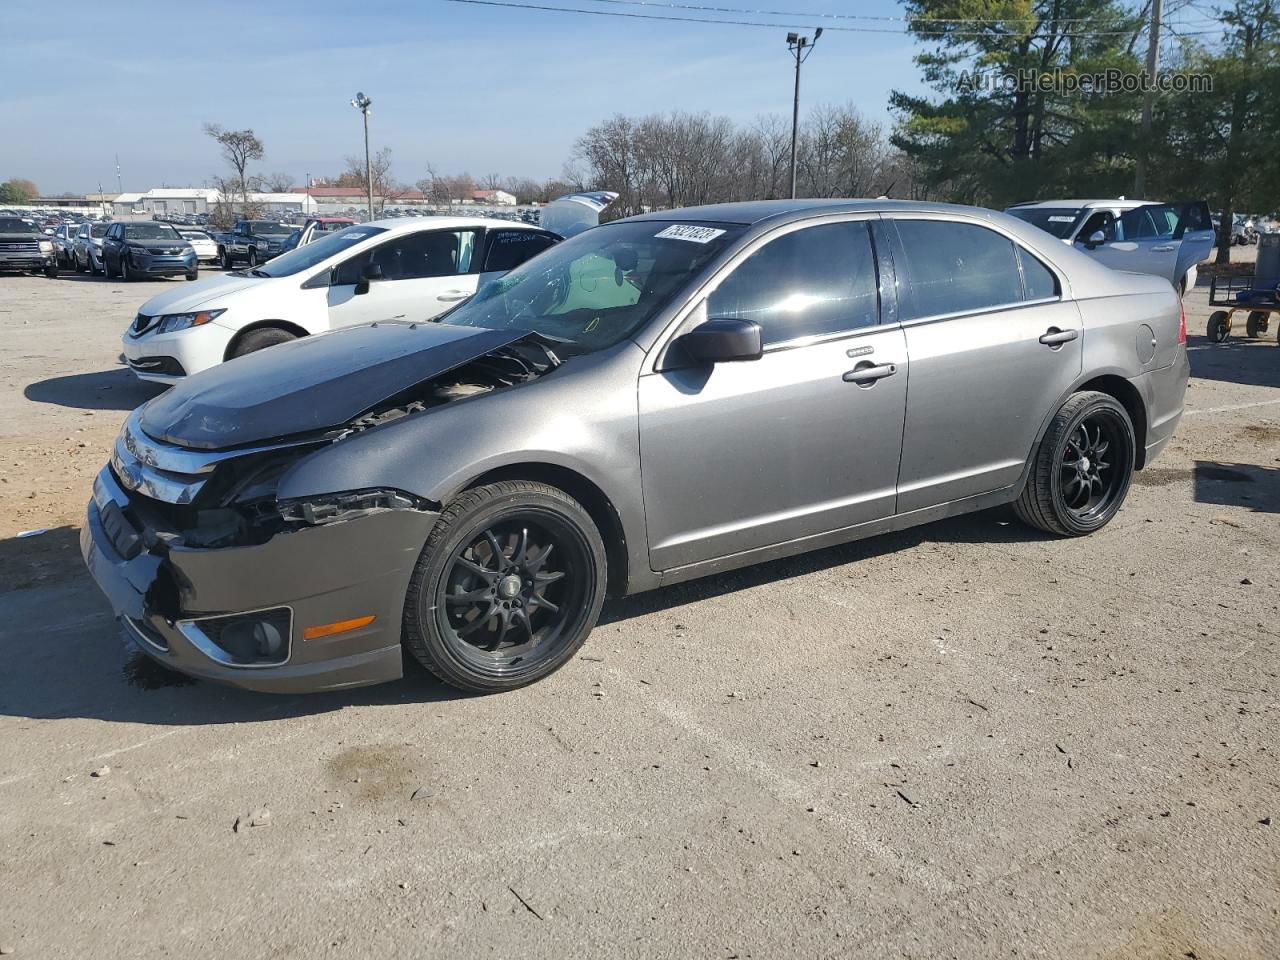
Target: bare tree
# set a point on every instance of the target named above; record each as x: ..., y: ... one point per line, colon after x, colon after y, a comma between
x: 239, y: 148
x: 277, y: 183
x: 379, y: 171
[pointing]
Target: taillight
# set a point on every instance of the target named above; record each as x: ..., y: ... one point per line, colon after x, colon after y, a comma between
x: 1182, y: 324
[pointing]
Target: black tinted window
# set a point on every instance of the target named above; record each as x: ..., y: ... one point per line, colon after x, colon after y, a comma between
x: 1040, y: 282
x: 510, y: 248
x: 956, y: 267
x: 809, y: 282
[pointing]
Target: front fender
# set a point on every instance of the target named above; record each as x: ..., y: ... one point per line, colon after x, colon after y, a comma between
x: 581, y: 417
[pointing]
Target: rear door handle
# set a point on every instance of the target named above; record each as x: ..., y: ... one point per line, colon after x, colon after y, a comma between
x: 1164, y: 248
x: 1053, y: 337
x: 449, y: 296
x: 866, y: 373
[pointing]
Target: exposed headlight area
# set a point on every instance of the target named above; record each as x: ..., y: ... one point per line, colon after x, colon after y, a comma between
x: 173, y: 322
x: 336, y: 507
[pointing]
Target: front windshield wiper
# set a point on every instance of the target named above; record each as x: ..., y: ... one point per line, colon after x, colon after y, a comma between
x: 259, y: 273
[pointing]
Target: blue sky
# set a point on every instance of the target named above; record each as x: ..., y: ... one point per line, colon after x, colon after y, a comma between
x: 487, y: 90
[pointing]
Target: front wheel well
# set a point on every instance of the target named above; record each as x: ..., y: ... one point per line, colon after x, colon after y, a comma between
x: 285, y: 325
x: 593, y: 500
x: 1127, y: 395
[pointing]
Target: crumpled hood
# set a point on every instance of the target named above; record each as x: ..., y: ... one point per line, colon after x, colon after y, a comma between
x: 312, y: 384
x: 199, y: 294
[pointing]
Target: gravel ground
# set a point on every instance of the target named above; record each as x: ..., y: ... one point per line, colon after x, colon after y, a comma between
x: 967, y: 740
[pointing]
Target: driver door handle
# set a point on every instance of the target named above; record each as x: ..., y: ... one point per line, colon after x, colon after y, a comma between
x: 866, y: 374
x: 1164, y: 248
x: 1053, y: 337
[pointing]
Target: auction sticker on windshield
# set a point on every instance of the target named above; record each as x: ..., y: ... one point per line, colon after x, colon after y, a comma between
x: 1062, y: 219
x: 683, y: 231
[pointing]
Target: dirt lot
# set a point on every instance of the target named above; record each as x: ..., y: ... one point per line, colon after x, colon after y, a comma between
x: 967, y: 740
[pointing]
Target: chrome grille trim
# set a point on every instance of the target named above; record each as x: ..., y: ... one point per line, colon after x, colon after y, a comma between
x: 166, y: 472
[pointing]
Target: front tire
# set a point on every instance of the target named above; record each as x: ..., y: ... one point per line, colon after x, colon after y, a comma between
x: 224, y: 258
x: 194, y: 274
x: 253, y: 258
x: 507, y: 588
x: 1081, y: 471
x: 51, y: 271
x: 256, y: 340
x: 126, y: 274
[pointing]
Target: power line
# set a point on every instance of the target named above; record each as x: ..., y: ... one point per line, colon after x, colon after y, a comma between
x: 858, y: 16
x: 542, y: 7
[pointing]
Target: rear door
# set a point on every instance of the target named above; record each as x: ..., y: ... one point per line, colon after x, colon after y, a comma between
x: 1198, y: 237
x: 738, y: 456
x: 423, y: 274
x: 993, y: 346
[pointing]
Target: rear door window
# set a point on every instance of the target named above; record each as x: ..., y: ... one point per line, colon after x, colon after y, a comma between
x: 811, y: 282
x: 1039, y: 280
x: 956, y: 268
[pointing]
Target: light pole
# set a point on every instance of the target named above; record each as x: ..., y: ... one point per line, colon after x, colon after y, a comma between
x: 798, y: 46
x: 363, y: 103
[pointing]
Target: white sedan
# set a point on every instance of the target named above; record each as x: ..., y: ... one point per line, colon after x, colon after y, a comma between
x: 205, y: 246
x: 388, y: 269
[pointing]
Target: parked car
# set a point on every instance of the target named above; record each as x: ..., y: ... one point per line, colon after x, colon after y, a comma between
x: 1163, y: 239
x: 87, y: 252
x: 205, y: 246
x: 146, y: 248
x: 23, y: 246
x: 64, y: 240
x: 253, y: 242
x: 385, y: 270
x: 650, y: 401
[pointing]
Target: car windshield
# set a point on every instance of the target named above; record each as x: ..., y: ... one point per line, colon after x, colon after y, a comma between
x: 598, y: 287
x: 1059, y: 221
x: 14, y: 225
x: 283, y: 229
x: 304, y: 258
x: 150, y: 231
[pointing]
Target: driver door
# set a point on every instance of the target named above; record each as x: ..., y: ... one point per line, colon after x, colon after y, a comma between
x: 1142, y: 240
x: 423, y: 274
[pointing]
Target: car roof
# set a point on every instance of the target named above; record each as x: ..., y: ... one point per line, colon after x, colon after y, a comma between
x: 1120, y: 203
x: 445, y: 223
x: 751, y: 212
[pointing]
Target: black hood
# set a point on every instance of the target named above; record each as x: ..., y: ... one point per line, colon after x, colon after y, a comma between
x: 312, y: 384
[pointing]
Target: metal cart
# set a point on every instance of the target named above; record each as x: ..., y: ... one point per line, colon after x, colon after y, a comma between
x: 1257, y: 295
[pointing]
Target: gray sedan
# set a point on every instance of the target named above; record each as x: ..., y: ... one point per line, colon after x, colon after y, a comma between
x: 654, y: 400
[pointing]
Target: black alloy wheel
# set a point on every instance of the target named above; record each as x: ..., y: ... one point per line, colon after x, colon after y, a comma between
x: 508, y: 587
x: 1081, y: 471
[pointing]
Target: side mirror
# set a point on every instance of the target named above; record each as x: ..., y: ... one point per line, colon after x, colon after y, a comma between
x: 371, y: 271
x: 1097, y: 238
x: 723, y: 341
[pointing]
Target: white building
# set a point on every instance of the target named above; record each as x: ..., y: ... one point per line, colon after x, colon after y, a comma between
x: 188, y: 201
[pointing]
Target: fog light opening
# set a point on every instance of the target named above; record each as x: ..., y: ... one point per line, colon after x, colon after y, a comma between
x: 257, y: 639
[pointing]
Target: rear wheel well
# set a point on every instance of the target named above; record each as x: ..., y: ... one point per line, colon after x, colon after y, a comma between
x: 292, y: 328
x: 1128, y: 397
x: 593, y: 500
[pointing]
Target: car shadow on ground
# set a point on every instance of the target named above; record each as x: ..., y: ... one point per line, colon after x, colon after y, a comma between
x: 65, y: 656
x: 998, y: 525
x: 103, y: 390
x: 1239, y: 360
x: 1247, y: 485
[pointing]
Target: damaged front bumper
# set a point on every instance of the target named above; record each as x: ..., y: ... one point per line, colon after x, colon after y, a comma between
x: 178, y: 603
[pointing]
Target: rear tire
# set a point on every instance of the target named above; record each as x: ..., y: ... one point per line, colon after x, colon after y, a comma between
x: 224, y: 258
x: 488, y: 621
x: 260, y: 339
x: 1256, y: 324
x: 1219, y: 326
x: 1080, y: 472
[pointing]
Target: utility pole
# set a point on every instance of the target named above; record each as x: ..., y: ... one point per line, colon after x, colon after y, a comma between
x: 798, y: 45
x: 363, y: 103
x: 1148, y: 101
